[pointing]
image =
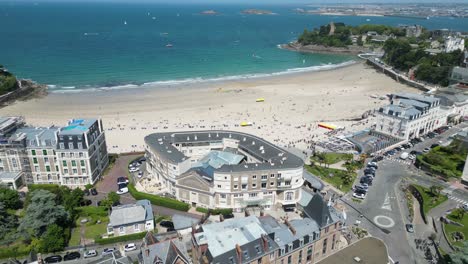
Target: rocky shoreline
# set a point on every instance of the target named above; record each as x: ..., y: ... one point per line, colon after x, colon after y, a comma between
x: 354, y: 50
x: 27, y: 89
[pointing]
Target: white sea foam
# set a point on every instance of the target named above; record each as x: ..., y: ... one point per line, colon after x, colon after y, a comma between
x: 330, y: 66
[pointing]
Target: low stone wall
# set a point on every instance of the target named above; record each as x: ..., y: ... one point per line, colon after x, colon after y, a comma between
x: 418, y: 197
x: 26, y: 88
x: 395, y: 76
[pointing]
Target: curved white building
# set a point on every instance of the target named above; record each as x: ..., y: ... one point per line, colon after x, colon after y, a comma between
x: 224, y: 169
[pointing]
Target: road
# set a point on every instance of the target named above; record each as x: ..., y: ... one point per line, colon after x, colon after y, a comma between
x: 384, y: 211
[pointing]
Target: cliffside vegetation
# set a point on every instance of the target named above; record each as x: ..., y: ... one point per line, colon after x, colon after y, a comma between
x: 7, y: 81
x: 340, y: 36
x: 429, y: 68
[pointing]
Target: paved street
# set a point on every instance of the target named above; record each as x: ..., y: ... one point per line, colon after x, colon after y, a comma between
x: 384, y: 215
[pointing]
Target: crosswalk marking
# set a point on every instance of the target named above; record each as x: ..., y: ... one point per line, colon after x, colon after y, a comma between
x: 407, y: 162
x: 456, y: 199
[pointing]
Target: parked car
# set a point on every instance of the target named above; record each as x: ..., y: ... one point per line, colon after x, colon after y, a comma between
x: 53, y: 259
x: 72, y: 255
x: 434, y: 145
x: 134, y: 169
x: 373, y: 166
x: 86, y: 202
x: 123, y: 191
x: 371, y: 172
x: 465, y: 207
x: 228, y: 216
x: 404, y: 155
x: 409, y: 228
x: 130, y: 247
x: 167, y: 224
x: 108, y: 251
x: 93, y: 191
x: 361, y: 187
x: 122, y: 180
x: 412, y: 157
x: 142, y: 159
x: 90, y: 253
x: 359, y: 195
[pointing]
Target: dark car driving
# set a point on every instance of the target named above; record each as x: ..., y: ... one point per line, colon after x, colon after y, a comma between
x: 167, y: 224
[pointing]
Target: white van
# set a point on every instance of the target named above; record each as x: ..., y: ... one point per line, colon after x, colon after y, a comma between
x: 404, y: 155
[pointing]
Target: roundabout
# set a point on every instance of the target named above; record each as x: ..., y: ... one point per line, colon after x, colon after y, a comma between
x: 384, y: 221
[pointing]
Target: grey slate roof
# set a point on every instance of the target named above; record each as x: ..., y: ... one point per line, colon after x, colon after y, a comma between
x: 318, y: 210
x: 149, y: 209
x: 130, y: 213
x: 115, y: 258
x: 37, y: 137
x: 283, y: 234
x: 418, y: 97
x: 183, y: 221
x: 165, y: 251
x: 269, y: 154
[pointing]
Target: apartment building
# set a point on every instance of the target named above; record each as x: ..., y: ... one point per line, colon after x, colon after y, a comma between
x: 82, y: 151
x: 224, y: 169
x: 264, y: 239
x: 408, y: 116
x: 74, y: 155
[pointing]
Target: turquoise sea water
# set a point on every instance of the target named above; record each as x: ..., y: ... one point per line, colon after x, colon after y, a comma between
x: 75, y: 46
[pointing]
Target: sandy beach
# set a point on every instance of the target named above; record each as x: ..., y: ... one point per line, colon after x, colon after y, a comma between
x: 293, y: 106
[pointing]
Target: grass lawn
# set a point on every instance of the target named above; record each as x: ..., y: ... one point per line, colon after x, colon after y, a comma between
x: 448, y: 161
x: 449, y: 229
x: 332, y: 158
x: 75, y: 237
x: 336, y: 180
x: 430, y: 201
x: 96, y: 230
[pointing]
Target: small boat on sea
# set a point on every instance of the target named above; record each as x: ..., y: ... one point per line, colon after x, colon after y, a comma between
x: 169, y: 45
x: 125, y: 22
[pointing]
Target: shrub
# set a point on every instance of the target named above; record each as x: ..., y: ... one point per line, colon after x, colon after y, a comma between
x: 158, y: 200
x: 162, y: 217
x: 14, y: 251
x: 112, y: 240
x: 202, y: 210
x: 221, y: 211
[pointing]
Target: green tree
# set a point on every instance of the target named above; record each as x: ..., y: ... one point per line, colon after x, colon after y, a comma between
x: 8, y: 222
x: 10, y: 198
x: 53, y: 239
x: 460, y: 256
x: 435, y: 190
x: 113, y: 197
x: 459, y: 213
x: 42, y: 212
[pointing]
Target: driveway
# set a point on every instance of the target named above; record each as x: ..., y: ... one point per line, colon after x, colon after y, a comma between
x: 109, y: 184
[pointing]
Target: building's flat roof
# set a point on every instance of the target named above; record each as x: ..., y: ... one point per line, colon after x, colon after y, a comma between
x: 224, y: 236
x: 370, y: 250
x: 270, y: 155
x: 77, y: 126
x: 419, y: 97
x: 9, y: 176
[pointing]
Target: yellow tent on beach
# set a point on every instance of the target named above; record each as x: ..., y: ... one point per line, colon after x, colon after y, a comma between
x: 245, y: 124
x: 260, y: 100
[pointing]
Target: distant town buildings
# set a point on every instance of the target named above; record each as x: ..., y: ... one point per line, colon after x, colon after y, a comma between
x: 413, y: 31
x: 74, y: 155
x: 454, y: 43
x: 131, y: 219
x: 224, y: 169
x: 408, y: 116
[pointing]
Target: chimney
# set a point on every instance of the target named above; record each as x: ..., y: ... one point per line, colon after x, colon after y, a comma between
x: 265, y: 242
x: 147, y: 252
x: 221, y: 218
x: 239, y: 253
x: 293, y: 230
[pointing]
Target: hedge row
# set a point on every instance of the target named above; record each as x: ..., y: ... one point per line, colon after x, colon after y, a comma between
x: 214, y: 211
x: 14, y: 251
x: 111, y: 240
x: 158, y: 200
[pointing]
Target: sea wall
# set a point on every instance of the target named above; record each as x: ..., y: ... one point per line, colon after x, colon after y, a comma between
x: 354, y: 50
x: 27, y: 89
x: 396, y: 76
